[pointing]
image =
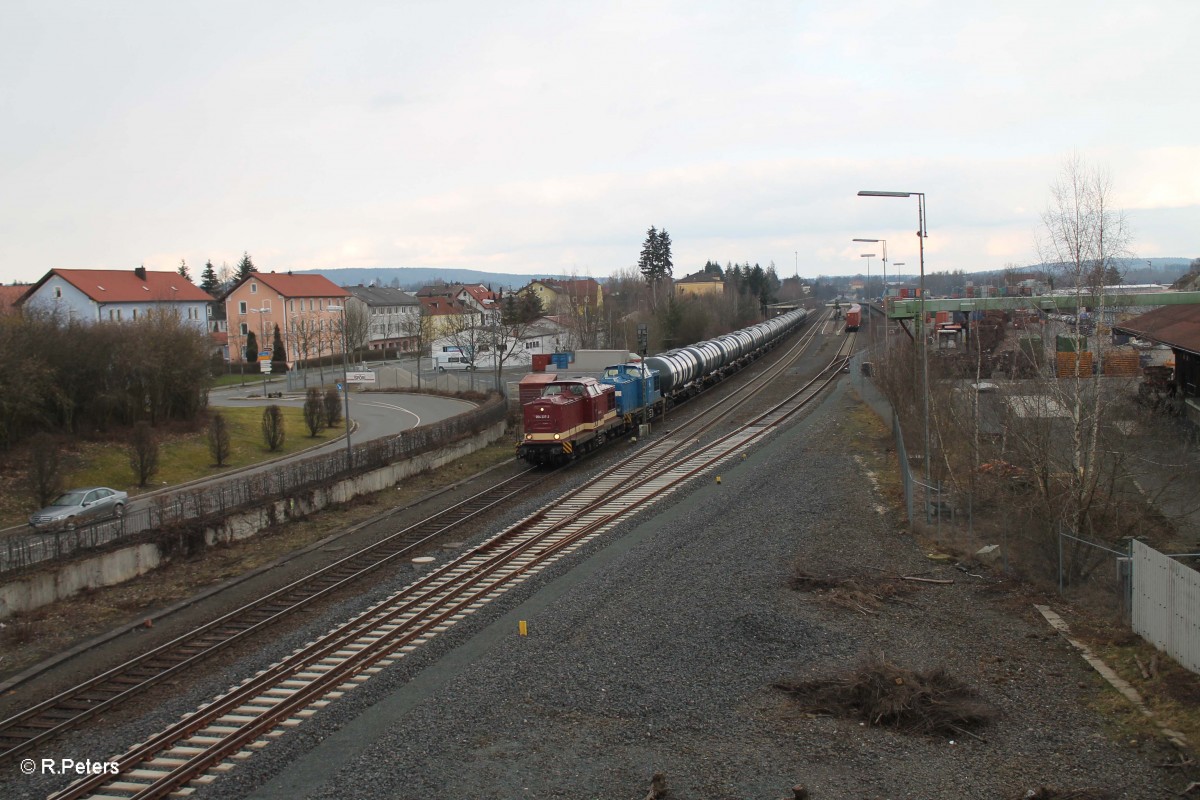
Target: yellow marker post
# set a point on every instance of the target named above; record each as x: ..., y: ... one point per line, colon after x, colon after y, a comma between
x: 718, y: 479
x: 523, y: 628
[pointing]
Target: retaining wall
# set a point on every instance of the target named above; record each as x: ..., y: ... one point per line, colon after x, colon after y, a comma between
x: 62, y: 581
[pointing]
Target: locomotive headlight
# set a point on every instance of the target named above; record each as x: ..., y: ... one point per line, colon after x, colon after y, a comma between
x: 529, y: 436
x: 556, y: 436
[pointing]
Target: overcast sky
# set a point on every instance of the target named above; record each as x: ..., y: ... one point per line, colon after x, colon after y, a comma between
x: 548, y: 136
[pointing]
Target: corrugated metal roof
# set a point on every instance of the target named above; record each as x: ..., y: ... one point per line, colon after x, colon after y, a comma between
x: 1175, y: 326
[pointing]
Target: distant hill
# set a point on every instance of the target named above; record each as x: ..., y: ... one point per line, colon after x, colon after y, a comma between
x: 416, y: 277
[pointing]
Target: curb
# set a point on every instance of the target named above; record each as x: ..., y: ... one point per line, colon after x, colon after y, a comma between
x: 1116, y: 681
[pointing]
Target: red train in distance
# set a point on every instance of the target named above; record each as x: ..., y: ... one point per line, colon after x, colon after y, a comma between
x: 853, y: 317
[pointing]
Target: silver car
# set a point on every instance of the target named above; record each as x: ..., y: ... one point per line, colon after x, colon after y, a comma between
x: 80, y: 506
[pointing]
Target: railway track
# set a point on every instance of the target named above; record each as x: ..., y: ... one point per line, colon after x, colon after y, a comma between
x: 49, y: 719
x: 211, y: 740
x: 40, y: 723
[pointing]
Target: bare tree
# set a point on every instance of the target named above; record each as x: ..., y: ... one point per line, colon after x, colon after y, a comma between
x: 420, y: 329
x: 1077, y: 480
x: 356, y: 335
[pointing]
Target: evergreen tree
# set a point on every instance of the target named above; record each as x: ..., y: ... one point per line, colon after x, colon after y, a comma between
x: 663, y: 255
x: 278, y: 353
x: 245, y: 267
x: 208, y: 279
x: 655, y: 261
x: 251, y: 348
x: 183, y: 269
x: 646, y: 263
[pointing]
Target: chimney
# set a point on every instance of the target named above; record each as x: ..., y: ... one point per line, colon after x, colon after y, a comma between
x: 141, y: 272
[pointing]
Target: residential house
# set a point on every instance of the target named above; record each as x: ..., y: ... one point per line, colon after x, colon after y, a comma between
x: 446, y: 314
x: 9, y: 295
x: 563, y: 296
x: 543, y: 335
x: 700, y: 284
x: 307, y: 308
x: 394, y: 316
x: 470, y: 298
x: 115, y: 295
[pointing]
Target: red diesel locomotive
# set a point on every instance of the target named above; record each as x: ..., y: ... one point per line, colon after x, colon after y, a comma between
x: 572, y: 416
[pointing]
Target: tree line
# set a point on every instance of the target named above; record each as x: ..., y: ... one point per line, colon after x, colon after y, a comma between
x: 85, y: 377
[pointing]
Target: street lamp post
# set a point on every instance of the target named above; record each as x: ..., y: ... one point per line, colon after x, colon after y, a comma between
x: 345, y: 383
x: 896, y: 267
x: 262, y: 334
x: 883, y: 294
x: 922, y: 234
x: 867, y: 297
x: 884, y: 243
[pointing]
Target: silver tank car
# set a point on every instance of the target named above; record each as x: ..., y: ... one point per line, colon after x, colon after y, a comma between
x: 679, y: 367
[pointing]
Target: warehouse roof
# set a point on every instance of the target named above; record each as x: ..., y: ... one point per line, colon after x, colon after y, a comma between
x: 1174, y: 326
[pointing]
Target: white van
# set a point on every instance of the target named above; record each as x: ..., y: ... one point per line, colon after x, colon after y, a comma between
x: 450, y: 361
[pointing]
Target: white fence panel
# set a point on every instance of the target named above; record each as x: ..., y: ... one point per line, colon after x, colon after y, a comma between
x: 1166, y: 604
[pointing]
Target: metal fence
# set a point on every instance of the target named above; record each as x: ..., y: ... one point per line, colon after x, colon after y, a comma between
x: 1166, y: 604
x: 212, y: 502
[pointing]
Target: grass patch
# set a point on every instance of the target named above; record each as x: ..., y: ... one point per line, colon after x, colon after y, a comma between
x: 185, y: 457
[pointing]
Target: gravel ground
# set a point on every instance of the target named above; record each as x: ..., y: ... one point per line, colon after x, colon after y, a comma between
x: 657, y: 653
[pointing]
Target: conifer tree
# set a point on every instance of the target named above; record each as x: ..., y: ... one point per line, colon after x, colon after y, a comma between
x: 208, y: 279
x: 245, y: 267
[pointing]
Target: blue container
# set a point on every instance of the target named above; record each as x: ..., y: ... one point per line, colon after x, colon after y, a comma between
x: 561, y: 360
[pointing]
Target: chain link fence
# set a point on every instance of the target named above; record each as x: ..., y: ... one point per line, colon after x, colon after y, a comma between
x: 211, y: 502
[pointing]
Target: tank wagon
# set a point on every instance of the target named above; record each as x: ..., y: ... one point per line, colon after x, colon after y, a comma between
x: 575, y: 415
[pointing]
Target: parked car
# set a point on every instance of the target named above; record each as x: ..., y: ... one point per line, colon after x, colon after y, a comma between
x: 80, y: 506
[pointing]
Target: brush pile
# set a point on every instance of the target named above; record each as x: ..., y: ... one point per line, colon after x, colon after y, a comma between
x: 883, y: 694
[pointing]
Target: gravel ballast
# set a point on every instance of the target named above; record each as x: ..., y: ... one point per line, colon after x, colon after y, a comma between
x: 658, y: 653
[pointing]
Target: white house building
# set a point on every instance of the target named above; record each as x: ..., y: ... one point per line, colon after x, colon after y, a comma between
x: 113, y: 295
x: 394, y: 316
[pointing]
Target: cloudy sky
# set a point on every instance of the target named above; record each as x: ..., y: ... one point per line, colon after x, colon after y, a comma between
x: 548, y: 136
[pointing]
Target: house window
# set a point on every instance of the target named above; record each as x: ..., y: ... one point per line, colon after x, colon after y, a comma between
x: 242, y: 307
x: 533, y: 345
x: 245, y: 329
x: 135, y: 313
x: 58, y: 291
x: 253, y: 287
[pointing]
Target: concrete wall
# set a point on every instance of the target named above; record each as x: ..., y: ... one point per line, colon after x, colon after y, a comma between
x: 62, y: 581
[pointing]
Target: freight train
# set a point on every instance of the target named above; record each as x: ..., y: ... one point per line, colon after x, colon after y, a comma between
x: 574, y: 415
x: 854, y: 318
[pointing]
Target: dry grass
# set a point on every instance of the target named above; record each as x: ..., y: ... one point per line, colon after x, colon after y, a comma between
x: 883, y: 694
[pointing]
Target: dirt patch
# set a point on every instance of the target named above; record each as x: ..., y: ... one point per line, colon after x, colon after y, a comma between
x: 883, y: 694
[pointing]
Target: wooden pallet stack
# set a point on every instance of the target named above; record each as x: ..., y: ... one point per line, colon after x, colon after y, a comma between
x: 1066, y: 364
x: 1122, y: 363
